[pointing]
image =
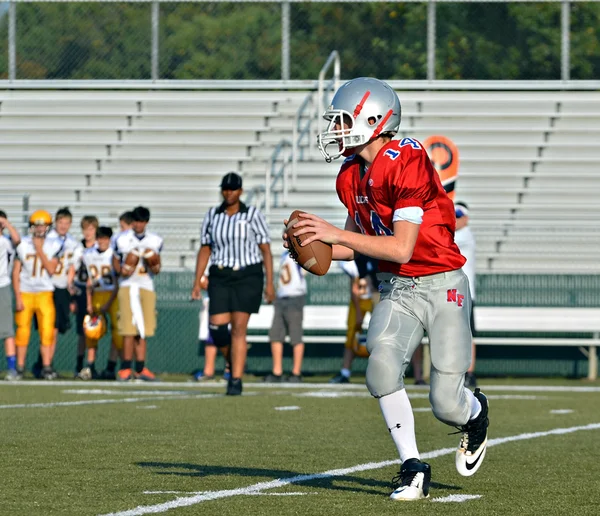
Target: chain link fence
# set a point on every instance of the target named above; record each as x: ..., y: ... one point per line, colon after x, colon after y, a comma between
x: 250, y: 40
x: 175, y: 349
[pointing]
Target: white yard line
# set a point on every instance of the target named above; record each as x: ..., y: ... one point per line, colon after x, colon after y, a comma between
x: 106, y: 401
x: 456, y: 498
x: 281, y: 482
x: 282, y: 386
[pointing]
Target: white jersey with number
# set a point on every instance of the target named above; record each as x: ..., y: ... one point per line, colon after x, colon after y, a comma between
x: 99, y: 268
x: 59, y: 278
x: 350, y: 268
x: 7, y: 253
x: 292, y: 282
x: 465, y: 240
x: 81, y: 275
x: 33, y: 277
x: 128, y: 241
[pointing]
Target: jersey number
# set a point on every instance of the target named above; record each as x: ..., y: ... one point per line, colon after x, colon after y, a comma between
x: 378, y: 226
x: 105, y: 273
x: 36, y: 268
x: 61, y: 263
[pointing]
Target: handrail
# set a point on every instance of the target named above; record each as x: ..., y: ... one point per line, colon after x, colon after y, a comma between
x: 332, y: 84
x: 302, y: 137
x: 274, y: 175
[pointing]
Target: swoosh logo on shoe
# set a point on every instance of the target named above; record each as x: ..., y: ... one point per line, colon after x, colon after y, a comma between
x: 471, y: 465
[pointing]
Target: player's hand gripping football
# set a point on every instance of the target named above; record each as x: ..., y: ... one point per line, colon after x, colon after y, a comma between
x: 286, y: 242
x: 323, y: 230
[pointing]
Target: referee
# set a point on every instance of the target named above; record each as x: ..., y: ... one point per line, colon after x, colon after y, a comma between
x: 235, y: 238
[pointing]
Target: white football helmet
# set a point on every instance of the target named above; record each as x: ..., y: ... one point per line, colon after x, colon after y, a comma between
x: 368, y: 107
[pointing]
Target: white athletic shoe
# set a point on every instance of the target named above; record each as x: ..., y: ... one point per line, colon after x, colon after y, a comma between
x: 414, y: 479
x: 85, y: 374
x: 473, y: 444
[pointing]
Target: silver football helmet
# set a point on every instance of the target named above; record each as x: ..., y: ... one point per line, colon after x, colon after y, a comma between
x: 361, y: 110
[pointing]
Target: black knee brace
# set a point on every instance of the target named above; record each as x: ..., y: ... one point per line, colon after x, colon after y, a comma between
x: 220, y: 335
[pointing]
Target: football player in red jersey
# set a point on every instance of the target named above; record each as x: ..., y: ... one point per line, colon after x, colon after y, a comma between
x: 399, y: 214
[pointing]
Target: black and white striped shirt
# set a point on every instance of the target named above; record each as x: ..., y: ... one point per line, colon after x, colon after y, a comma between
x: 234, y: 240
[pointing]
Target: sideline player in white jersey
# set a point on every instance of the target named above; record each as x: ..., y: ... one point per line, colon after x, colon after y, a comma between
x: 287, y: 319
x: 465, y: 240
x: 102, y: 289
x: 8, y: 244
x: 89, y: 224
x: 137, y: 299
x: 61, y: 279
x: 37, y: 260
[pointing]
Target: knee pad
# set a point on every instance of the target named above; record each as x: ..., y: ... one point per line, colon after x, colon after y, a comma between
x: 385, y: 374
x: 220, y: 335
x: 447, y: 397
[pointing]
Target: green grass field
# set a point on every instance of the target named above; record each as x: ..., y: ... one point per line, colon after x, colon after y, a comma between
x: 175, y: 447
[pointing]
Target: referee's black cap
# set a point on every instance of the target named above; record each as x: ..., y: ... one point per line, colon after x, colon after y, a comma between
x: 231, y: 181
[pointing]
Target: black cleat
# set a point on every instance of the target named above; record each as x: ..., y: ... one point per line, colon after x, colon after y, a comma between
x: 413, y: 481
x: 473, y: 444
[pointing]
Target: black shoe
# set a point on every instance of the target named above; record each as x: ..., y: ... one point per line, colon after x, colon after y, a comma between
x: 473, y: 443
x: 234, y: 387
x: 340, y: 378
x: 108, y: 375
x: 36, y: 370
x: 48, y: 373
x: 273, y: 378
x: 412, y: 481
x: 420, y: 382
x: 470, y: 380
x: 294, y: 378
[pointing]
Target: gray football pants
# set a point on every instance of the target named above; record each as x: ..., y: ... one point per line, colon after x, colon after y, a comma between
x: 440, y: 304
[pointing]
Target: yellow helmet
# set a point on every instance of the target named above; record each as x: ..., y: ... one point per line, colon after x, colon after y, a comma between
x: 94, y: 326
x: 40, y: 218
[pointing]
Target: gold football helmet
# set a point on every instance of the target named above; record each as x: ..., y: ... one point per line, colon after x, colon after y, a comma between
x: 40, y: 222
x: 360, y: 344
x: 94, y: 326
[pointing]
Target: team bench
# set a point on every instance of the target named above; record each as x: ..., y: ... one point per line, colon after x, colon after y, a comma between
x: 327, y: 324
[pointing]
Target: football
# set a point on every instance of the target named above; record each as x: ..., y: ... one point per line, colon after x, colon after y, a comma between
x: 131, y: 261
x: 151, y: 259
x: 315, y: 257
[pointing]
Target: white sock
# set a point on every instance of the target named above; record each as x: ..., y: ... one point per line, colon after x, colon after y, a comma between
x: 346, y: 373
x: 399, y: 418
x: 475, y: 405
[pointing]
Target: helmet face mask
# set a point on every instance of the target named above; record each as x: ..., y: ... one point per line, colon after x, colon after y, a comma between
x: 361, y: 110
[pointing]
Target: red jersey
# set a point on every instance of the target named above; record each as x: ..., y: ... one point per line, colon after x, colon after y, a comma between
x: 402, y: 176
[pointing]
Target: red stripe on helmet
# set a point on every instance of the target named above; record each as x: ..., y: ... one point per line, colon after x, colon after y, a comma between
x: 360, y: 105
x: 381, y: 124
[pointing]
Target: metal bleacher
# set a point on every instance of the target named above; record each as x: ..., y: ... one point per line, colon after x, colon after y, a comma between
x: 529, y: 163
